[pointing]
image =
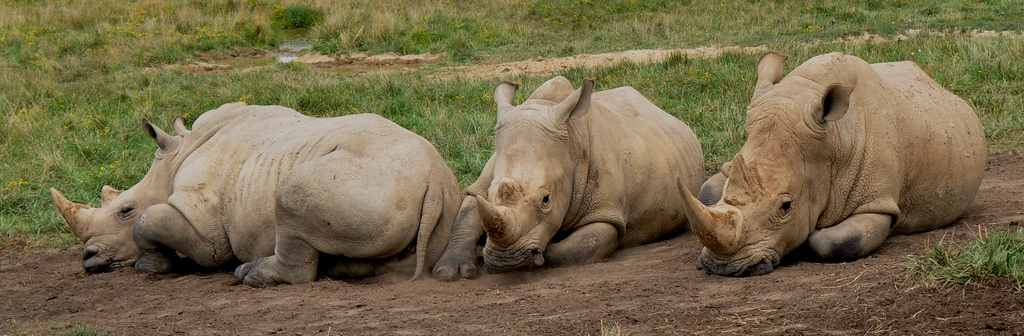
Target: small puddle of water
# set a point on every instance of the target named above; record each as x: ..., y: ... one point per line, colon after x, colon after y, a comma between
x: 295, y: 40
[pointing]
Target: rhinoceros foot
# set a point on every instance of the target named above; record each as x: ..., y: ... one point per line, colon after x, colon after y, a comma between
x: 456, y: 267
x: 256, y: 273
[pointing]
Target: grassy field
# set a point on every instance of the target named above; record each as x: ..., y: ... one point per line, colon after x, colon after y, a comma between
x: 76, y: 77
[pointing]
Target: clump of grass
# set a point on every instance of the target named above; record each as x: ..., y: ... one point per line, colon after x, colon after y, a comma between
x: 994, y: 254
x: 614, y: 330
x: 298, y: 16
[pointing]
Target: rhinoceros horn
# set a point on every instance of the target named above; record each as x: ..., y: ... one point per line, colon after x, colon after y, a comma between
x: 715, y: 226
x: 74, y: 214
x: 108, y: 195
x: 495, y: 226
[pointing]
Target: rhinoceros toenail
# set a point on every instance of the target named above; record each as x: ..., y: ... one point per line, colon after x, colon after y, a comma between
x: 445, y: 274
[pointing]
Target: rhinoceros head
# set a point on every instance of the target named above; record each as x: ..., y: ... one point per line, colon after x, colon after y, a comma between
x: 107, y: 231
x: 778, y: 183
x: 532, y: 173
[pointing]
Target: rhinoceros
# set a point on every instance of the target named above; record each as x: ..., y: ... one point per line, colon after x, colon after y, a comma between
x: 840, y: 154
x: 573, y: 177
x: 276, y: 189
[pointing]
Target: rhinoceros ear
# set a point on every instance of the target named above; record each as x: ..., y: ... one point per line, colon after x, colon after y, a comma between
x: 505, y: 95
x: 726, y: 168
x: 108, y: 195
x: 769, y: 71
x: 835, y: 103
x: 179, y: 125
x: 577, y: 104
x: 161, y: 137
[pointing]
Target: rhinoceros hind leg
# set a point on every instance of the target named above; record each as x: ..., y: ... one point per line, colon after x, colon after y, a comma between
x: 294, y: 262
x: 588, y: 244
x: 711, y: 190
x: 256, y: 274
x: 852, y: 239
x: 459, y: 258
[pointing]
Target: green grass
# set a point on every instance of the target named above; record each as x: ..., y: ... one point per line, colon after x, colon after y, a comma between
x: 996, y: 254
x: 514, y: 30
x: 64, y: 329
x: 74, y: 82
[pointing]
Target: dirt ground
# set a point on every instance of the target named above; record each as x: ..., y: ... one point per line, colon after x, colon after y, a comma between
x: 649, y: 290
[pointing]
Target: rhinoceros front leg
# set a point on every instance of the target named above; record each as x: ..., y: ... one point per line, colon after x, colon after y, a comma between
x: 162, y: 230
x: 852, y: 239
x: 711, y: 190
x: 294, y: 262
x: 588, y: 244
x: 459, y: 259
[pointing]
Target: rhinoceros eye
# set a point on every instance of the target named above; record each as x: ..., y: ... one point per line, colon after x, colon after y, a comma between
x: 125, y: 212
x: 545, y: 203
x: 785, y: 208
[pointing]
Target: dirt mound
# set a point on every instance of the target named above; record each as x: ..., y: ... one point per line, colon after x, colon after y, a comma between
x: 652, y: 289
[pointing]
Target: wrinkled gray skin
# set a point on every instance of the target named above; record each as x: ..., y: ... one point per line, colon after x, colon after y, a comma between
x: 573, y: 177
x: 839, y: 154
x: 270, y: 187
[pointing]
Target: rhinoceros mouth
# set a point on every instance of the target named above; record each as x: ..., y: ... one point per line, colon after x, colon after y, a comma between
x: 95, y: 261
x: 499, y: 260
x: 106, y: 268
x: 752, y: 266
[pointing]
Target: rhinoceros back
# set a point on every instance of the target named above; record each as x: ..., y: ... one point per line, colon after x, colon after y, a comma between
x: 942, y: 149
x: 638, y: 151
x: 226, y: 187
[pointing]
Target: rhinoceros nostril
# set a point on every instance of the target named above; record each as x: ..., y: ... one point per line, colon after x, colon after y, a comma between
x: 90, y: 252
x: 93, y: 262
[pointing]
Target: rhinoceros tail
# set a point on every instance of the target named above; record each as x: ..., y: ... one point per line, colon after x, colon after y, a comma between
x: 433, y: 204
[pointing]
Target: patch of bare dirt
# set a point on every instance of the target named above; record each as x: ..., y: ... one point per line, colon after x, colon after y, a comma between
x: 364, y: 63
x: 906, y: 35
x: 541, y: 66
x: 651, y: 290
